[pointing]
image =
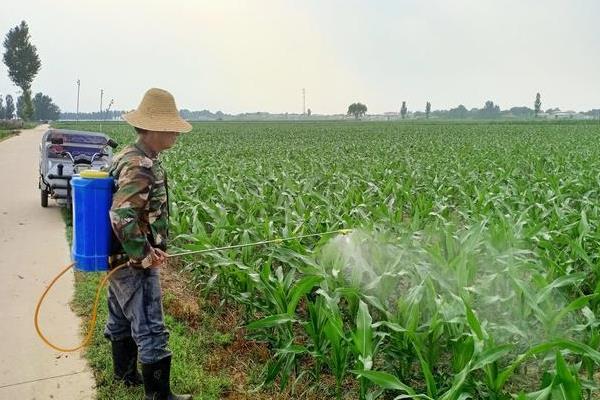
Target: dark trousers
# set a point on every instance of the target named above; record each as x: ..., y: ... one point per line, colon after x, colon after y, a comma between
x: 135, y: 309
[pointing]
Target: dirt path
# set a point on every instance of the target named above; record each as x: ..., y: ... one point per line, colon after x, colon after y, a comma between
x: 33, y: 248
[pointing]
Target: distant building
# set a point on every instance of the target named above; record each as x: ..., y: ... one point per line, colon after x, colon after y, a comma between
x: 391, y: 115
x: 568, y: 115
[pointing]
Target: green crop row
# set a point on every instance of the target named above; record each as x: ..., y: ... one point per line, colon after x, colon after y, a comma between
x: 472, y: 270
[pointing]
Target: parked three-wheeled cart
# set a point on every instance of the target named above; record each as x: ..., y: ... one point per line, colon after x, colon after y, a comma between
x: 64, y: 153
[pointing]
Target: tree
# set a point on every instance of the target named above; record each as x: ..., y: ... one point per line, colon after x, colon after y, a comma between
x: 403, y: 110
x: 2, y: 110
x: 427, y: 109
x: 20, y: 106
x: 25, y: 106
x: 490, y: 110
x: 44, y: 108
x: 459, y: 112
x: 21, y: 57
x: 521, y: 112
x: 537, y: 106
x: 357, y: 109
x: 23, y: 63
x: 9, y: 109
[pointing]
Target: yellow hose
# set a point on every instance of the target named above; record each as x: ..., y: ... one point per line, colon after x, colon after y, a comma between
x: 91, y: 324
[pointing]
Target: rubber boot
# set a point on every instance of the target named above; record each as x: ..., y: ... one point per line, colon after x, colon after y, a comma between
x: 157, y: 381
x: 124, y: 353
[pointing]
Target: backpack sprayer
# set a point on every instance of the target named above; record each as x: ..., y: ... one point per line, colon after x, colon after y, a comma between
x: 92, y: 197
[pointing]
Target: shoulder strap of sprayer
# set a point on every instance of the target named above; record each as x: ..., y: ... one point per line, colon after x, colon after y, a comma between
x: 168, y: 202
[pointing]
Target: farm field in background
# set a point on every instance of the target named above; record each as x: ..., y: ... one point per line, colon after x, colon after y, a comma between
x: 473, y: 270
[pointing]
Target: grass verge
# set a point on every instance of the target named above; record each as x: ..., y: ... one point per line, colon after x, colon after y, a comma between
x: 5, y: 134
x: 8, y: 130
x: 189, y: 349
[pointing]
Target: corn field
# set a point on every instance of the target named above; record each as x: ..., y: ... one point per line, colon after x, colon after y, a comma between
x: 472, y: 271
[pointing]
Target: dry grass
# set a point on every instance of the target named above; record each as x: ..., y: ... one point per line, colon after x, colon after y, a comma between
x: 230, y: 353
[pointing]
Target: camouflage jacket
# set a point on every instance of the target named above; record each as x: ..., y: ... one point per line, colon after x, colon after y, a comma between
x: 140, y: 211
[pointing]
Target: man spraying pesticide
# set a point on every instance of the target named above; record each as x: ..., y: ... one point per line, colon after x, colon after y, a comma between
x: 136, y: 215
x: 139, y: 217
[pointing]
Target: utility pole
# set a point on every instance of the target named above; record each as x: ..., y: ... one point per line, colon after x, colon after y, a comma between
x: 78, y: 85
x: 101, y: 95
x: 303, y: 101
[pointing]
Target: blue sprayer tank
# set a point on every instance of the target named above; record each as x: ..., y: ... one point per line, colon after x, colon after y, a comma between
x: 92, y: 198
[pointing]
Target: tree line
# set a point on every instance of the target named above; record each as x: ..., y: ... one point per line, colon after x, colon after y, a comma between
x: 490, y: 110
x: 42, y: 108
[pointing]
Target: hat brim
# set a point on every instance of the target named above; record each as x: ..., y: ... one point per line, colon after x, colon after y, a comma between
x: 157, y: 122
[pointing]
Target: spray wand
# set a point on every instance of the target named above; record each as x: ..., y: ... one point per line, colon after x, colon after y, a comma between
x: 92, y: 322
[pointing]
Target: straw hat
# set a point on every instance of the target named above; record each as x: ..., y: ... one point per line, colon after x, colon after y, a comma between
x: 157, y: 112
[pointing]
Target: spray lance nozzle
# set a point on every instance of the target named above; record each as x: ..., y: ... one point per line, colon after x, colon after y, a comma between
x: 276, y: 241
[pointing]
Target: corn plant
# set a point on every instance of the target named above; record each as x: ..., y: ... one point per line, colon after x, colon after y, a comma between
x: 474, y: 257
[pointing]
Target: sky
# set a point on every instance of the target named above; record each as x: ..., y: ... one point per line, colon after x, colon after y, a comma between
x: 247, y: 56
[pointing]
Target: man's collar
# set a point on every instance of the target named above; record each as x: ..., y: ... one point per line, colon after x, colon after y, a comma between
x: 144, y: 149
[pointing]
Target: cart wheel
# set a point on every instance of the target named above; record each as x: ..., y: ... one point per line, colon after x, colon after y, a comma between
x: 44, y: 197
